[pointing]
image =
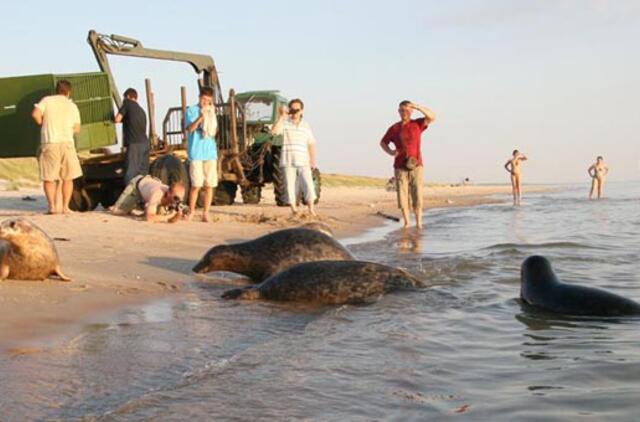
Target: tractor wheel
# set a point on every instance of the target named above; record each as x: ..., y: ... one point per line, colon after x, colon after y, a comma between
x: 317, y: 184
x: 170, y: 170
x: 225, y: 193
x: 251, y: 194
x: 83, y: 199
x: 279, y: 185
x: 109, y: 194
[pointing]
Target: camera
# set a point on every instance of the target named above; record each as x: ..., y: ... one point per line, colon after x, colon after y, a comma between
x: 178, y: 206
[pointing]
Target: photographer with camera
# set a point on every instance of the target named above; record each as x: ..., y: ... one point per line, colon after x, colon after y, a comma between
x: 161, y: 203
x: 405, y: 136
x: 298, y: 154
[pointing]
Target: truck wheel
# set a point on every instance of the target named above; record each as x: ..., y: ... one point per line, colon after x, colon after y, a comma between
x: 83, y: 199
x: 109, y: 194
x: 170, y: 170
x: 317, y: 184
x: 251, y: 194
x: 279, y: 186
x: 225, y: 193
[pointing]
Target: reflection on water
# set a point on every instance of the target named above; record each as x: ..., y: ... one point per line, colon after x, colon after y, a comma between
x: 465, y: 347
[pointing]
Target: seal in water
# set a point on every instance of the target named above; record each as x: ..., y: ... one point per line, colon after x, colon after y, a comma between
x: 271, y: 253
x: 540, y: 287
x: 319, y: 226
x: 329, y: 282
x: 26, y: 252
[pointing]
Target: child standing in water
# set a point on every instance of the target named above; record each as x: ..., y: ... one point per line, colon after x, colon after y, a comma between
x: 598, y: 172
x: 513, y: 167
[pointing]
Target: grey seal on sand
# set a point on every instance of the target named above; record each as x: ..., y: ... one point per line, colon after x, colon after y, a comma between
x: 26, y: 252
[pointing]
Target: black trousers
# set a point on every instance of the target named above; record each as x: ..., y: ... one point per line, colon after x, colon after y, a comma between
x: 137, y: 161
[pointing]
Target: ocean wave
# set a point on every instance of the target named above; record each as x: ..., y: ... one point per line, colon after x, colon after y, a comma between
x: 546, y: 245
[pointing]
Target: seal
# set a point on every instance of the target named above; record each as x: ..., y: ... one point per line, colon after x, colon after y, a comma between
x: 329, y: 283
x: 26, y: 252
x: 271, y: 253
x: 319, y: 226
x: 539, y: 286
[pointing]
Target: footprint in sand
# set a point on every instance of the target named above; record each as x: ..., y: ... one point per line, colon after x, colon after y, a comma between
x: 79, y: 288
x: 167, y: 286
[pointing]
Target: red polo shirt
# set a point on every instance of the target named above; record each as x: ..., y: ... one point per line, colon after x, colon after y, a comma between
x: 406, y: 138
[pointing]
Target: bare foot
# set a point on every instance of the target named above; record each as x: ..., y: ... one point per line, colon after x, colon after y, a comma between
x: 205, y: 218
x: 68, y: 211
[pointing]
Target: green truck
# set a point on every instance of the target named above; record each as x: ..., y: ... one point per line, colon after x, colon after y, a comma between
x: 247, y: 154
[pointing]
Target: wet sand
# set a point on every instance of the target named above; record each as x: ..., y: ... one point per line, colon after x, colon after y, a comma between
x: 121, y: 261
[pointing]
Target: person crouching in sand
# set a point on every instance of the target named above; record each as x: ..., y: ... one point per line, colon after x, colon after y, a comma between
x: 513, y: 167
x: 598, y: 172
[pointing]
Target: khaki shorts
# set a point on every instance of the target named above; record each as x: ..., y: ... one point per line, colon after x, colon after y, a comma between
x: 129, y: 199
x: 203, y: 173
x: 409, y: 185
x: 58, y: 162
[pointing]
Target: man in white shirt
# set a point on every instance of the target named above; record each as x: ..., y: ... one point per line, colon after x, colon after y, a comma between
x: 157, y: 199
x: 298, y: 154
x: 59, y: 119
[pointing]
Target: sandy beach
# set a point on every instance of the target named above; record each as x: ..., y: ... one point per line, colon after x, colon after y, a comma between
x: 121, y: 261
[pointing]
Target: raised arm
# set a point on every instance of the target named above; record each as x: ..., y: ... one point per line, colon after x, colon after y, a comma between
x: 195, y: 124
x: 429, y: 115
x: 277, y: 128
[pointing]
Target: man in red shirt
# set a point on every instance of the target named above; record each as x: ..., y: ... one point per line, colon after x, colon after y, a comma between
x: 405, y: 136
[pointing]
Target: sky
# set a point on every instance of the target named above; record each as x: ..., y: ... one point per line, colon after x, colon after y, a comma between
x: 558, y: 80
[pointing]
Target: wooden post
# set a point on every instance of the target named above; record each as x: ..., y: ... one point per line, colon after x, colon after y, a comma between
x: 183, y: 103
x: 151, y: 109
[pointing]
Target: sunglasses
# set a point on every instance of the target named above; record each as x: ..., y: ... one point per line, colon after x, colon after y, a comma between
x: 294, y: 110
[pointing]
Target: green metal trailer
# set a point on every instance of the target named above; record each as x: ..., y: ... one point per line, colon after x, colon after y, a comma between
x: 20, y: 136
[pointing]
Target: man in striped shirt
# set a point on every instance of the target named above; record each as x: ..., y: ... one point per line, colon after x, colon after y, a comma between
x: 298, y: 154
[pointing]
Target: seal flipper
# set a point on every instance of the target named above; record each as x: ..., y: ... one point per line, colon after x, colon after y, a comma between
x: 247, y: 293
x: 60, y: 274
x: 4, y: 268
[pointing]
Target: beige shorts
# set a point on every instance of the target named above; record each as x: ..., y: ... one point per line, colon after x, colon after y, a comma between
x: 203, y: 173
x: 409, y: 185
x: 58, y: 162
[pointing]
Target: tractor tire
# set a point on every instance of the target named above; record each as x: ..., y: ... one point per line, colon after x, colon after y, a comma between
x: 170, y: 170
x: 279, y: 184
x: 317, y: 186
x: 109, y: 194
x: 225, y: 193
x: 83, y: 199
x: 251, y: 194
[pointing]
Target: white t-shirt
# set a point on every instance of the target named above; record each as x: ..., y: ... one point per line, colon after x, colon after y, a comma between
x: 152, y: 190
x: 59, y: 116
x: 295, y: 144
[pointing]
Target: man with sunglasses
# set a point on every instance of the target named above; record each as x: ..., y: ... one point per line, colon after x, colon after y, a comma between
x: 298, y: 154
x: 160, y: 202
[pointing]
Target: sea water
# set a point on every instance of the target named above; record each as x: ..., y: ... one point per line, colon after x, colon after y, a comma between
x: 465, y: 347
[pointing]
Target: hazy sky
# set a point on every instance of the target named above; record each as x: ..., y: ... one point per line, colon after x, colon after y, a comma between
x: 557, y: 79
